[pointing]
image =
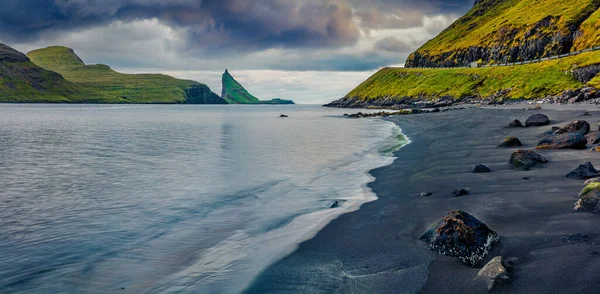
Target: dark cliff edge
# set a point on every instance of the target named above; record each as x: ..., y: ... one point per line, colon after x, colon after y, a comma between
x: 201, y: 94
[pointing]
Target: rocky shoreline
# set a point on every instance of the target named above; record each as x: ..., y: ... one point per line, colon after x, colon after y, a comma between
x: 588, y: 95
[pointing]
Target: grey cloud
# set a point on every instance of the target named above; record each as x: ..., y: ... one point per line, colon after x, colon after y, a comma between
x: 393, y: 44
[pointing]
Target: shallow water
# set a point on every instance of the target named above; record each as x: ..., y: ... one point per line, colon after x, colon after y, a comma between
x: 172, y: 199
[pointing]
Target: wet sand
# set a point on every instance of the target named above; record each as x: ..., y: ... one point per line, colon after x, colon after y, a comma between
x: 377, y: 249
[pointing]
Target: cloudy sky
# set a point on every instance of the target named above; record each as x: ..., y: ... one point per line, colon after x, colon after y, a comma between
x: 312, y: 51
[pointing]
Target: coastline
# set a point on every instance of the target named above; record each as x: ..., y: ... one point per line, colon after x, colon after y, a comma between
x: 377, y: 248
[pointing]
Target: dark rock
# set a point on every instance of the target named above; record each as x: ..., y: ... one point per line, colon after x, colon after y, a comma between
x: 594, y: 253
x: 335, y: 204
x: 583, y: 172
x: 460, y: 192
x: 283, y: 115
x: 537, y: 120
x: 563, y: 141
x: 460, y: 235
x: 480, y: 168
x: 526, y: 159
x: 587, y: 113
x: 576, y: 238
x: 515, y: 124
x: 586, y: 73
x: 511, y: 142
x: 578, y: 126
x: 201, y: 94
x: 593, y: 137
x: 425, y: 194
x: 526, y: 178
x: 494, y: 274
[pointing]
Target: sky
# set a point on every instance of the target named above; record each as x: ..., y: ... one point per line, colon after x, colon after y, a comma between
x: 311, y: 51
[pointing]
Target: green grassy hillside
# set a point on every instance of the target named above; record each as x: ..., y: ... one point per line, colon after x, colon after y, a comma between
x: 234, y: 92
x: 22, y: 81
x: 513, y: 30
x: 133, y: 88
x: 535, y: 80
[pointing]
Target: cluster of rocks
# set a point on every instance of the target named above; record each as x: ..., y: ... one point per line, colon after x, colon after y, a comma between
x: 399, y: 112
x: 579, y: 95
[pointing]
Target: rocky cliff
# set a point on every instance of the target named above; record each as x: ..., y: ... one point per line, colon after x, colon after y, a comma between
x: 504, y: 31
x: 23, y: 81
x: 128, y: 88
x: 234, y: 93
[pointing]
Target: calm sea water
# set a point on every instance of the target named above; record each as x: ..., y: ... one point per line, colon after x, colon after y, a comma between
x: 172, y: 199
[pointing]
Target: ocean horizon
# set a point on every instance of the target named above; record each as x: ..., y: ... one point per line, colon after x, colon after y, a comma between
x: 173, y: 198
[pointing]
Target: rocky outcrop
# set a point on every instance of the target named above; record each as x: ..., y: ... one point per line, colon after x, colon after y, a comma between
x: 8, y: 54
x: 584, y: 172
x: 510, y: 142
x: 201, y: 94
x: 563, y: 141
x: 526, y: 159
x: 578, y: 95
x: 494, y: 273
x: 460, y: 235
x: 537, y: 120
x: 586, y: 73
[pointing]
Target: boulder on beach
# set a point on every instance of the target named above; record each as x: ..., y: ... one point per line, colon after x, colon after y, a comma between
x: 460, y: 235
x: 526, y: 159
x: 589, y: 198
x: 563, y: 141
x: 593, y: 137
x: 425, y: 194
x: 537, y: 120
x: 460, y: 192
x: 578, y: 126
x: 511, y: 142
x: 494, y: 274
x: 515, y: 124
x: 480, y: 168
x: 584, y: 172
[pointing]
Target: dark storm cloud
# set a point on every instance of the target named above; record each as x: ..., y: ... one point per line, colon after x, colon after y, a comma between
x: 232, y: 25
x: 393, y: 44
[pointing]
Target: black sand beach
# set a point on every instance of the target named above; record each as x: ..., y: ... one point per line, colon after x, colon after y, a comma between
x: 377, y: 249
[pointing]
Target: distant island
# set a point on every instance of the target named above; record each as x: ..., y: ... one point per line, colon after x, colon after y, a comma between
x: 234, y: 93
x: 499, y: 51
x: 57, y: 75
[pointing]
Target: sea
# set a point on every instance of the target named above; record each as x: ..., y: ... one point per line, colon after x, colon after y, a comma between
x: 173, y: 198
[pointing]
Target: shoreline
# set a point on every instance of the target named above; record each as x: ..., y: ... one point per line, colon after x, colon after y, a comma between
x: 377, y: 248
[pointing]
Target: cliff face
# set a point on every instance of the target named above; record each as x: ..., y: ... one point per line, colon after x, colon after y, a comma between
x: 501, y: 31
x: 129, y: 88
x: 23, y: 81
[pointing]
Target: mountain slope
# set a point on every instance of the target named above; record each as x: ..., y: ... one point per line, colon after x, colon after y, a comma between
x: 500, y: 31
x: 234, y: 93
x: 22, y: 81
x: 133, y: 88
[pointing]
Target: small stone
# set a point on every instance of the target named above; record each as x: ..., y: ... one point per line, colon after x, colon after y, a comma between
x: 526, y: 178
x: 515, y: 124
x: 335, y: 204
x: 593, y: 137
x: 480, y: 168
x: 460, y: 192
x: 583, y: 172
x: 575, y: 238
x: 537, y: 120
x: 283, y: 115
x: 510, y: 142
x: 494, y: 274
x: 425, y: 194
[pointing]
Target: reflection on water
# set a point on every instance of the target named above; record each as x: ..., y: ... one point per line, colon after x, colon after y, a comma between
x: 170, y: 198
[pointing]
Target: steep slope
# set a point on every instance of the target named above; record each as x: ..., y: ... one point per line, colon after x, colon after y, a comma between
x: 133, y: 88
x: 22, y: 81
x: 500, y: 31
x: 234, y: 93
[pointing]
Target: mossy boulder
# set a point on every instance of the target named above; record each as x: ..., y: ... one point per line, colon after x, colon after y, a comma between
x: 460, y: 235
x: 526, y: 159
x: 511, y: 142
x: 589, y: 198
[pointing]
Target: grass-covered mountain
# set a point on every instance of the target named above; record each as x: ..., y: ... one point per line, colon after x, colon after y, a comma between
x: 234, y: 93
x: 495, y: 31
x: 22, y: 81
x: 129, y: 88
x: 500, y: 31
